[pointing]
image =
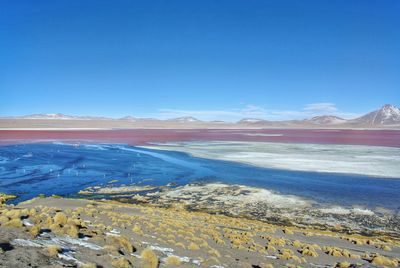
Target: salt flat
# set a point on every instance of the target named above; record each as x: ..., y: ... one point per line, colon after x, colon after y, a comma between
x: 377, y: 161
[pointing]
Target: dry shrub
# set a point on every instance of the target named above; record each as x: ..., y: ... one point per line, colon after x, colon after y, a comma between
x: 121, y: 263
x: 219, y: 241
x: 55, y: 228
x: 296, y: 244
x: 53, y: 250
x: 343, y: 264
x: 14, y: 213
x: 236, y: 242
x: 60, y: 218
x: 111, y: 249
x: 179, y: 244
x: 211, y: 262
x: 3, y: 219
x: 124, y: 243
x: 287, y: 254
x: 173, y: 261
x: 277, y: 241
x: 34, y: 230
x: 214, y: 252
x: 171, y: 236
x: 297, y: 259
x: 385, y: 247
x: 370, y: 242
x: 72, y: 231
x: 79, y: 210
x: 14, y: 223
x: 149, y: 258
x: 47, y: 222
x: 339, y: 252
x: 32, y: 212
x: 308, y: 251
x: 288, y: 231
x: 24, y: 212
x: 384, y: 261
x: 136, y: 229
x: 193, y: 246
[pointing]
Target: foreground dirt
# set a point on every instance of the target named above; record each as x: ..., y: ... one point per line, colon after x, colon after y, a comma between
x: 58, y: 232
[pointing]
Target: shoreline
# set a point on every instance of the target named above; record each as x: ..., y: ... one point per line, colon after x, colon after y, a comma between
x: 254, y: 204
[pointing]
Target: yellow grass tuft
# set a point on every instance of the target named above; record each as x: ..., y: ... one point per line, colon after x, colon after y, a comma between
x: 124, y: 243
x: 60, y: 218
x: 308, y: 251
x: 285, y: 255
x: 53, y: 250
x: 214, y: 252
x: 47, y: 222
x: 111, y: 249
x: 55, y: 228
x: 14, y: 223
x: 121, y: 263
x: 34, y: 230
x: 296, y: 244
x: 3, y: 219
x: 288, y: 231
x: 297, y: 259
x: 193, y: 246
x: 32, y: 212
x: 277, y: 241
x: 136, y: 229
x: 173, y: 261
x: 386, y: 247
x: 339, y: 252
x: 384, y: 261
x: 343, y: 264
x: 179, y: 244
x: 149, y: 258
x: 271, y: 248
x: 72, y: 231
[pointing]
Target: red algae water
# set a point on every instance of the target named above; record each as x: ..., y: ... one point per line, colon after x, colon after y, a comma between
x: 142, y: 136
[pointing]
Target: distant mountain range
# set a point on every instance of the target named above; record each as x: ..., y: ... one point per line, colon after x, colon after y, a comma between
x: 59, y: 116
x: 388, y: 116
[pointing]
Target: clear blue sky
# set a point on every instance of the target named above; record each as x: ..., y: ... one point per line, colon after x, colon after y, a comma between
x: 212, y: 59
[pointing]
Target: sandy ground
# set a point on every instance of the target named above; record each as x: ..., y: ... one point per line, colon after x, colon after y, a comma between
x: 57, y: 232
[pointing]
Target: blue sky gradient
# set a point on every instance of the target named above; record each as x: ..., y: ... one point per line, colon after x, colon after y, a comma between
x: 211, y: 59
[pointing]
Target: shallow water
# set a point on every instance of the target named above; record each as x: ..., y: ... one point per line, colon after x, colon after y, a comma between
x: 30, y: 169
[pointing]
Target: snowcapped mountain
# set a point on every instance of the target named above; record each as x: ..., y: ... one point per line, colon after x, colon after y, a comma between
x: 185, y: 119
x: 59, y: 116
x: 48, y: 116
x: 128, y: 118
x: 326, y: 120
x: 387, y: 115
x: 251, y: 121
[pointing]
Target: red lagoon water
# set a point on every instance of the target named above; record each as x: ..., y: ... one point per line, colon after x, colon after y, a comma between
x: 143, y: 136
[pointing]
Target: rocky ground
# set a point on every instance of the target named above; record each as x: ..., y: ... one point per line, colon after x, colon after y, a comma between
x: 257, y: 203
x: 58, y: 232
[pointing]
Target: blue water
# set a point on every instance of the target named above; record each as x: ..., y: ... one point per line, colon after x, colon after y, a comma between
x: 31, y: 169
